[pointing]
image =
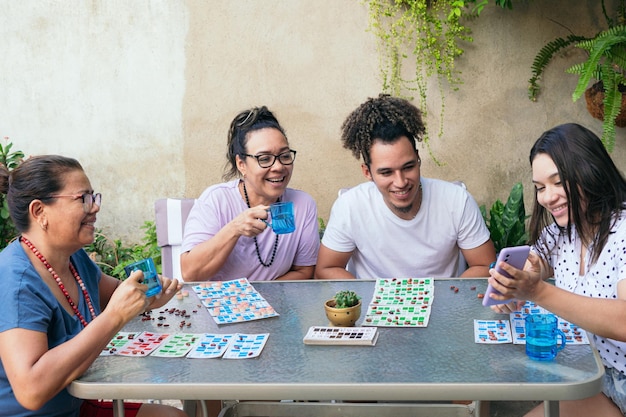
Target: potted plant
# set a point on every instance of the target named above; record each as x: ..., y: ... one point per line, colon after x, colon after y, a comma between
x: 507, y: 222
x: 344, y: 309
x: 605, y: 63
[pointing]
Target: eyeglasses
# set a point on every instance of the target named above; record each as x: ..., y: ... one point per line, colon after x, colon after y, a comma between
x: 267, y: 160
x: 89, y: 199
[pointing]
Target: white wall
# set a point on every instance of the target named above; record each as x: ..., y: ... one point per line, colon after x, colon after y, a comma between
x: 142, y: 92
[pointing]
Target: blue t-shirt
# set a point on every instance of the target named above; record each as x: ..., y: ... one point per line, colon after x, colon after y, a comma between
x: 26, y: 302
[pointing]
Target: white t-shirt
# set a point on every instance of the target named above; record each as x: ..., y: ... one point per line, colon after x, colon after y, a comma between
x: 386, y: 246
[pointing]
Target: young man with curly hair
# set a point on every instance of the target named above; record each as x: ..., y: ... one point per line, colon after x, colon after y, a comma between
x: 399, y: 224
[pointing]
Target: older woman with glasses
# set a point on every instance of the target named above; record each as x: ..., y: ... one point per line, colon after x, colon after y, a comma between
x: 226, y: 234
x: 58, y: 311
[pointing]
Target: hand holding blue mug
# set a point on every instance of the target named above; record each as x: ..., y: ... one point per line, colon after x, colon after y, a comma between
x: 150, y: 276
x: 282, y: 219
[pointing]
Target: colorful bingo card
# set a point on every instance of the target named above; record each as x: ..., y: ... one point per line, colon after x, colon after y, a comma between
x: 246, y: 346
x: 176, y: 345
x: 118, y: 342
x: 143, y: 344
x: 211, y: 345
x: 401, y: 302
x: 492, y: 331
x: 573, y: 334
x: 233, y: 301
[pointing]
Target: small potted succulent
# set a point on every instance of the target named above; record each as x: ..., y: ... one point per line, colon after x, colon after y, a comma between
x: 344, y: 309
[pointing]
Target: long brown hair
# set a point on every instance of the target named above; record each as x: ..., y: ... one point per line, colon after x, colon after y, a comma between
x: 595, y: 189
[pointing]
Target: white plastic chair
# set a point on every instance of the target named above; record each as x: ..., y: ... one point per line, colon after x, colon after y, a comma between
x: 171, y: 215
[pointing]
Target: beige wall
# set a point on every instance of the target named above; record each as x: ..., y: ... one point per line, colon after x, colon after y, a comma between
x: 142, y: 92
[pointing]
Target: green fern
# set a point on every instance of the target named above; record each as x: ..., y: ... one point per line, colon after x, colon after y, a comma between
x: 606, y: 62
x: 612, y: 104
x: 544, y: 57
x: 599, y: 47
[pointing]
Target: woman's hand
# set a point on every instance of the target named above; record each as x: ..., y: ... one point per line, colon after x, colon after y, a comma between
x: 170, y: 288
x: 251, y: 221
x: 507, y: 308
x: 522, y: 285
x: 129, y: 298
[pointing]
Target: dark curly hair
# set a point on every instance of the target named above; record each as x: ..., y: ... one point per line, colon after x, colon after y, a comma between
x: 384, y: 118
x: 245, y: 122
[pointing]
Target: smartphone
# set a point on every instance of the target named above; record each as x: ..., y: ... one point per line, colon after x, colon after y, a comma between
x: 516, y: 257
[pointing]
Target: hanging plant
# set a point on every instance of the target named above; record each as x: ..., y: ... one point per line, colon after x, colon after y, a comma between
x: 605, y: 63
x: 429, y: 33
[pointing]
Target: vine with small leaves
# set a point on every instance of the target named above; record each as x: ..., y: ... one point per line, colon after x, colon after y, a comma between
x: 431, y: 32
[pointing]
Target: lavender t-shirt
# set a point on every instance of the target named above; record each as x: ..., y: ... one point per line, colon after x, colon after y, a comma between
x: 221, y: 203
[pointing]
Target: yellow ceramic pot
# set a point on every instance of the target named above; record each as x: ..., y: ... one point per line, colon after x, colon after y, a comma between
x: 342, y: 317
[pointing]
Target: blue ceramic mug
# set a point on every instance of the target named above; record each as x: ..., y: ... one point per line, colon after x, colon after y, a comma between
x: 150, y: 276
x: 542, y: 334
x: 282, y: 218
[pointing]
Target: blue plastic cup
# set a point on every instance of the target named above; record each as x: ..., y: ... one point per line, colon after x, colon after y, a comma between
x: 282, y: 219
x: 150, y: 276
x: 542, y: 334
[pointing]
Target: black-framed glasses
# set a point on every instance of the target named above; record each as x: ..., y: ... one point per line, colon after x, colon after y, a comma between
x: 89, y: 199
x: 267, y: 160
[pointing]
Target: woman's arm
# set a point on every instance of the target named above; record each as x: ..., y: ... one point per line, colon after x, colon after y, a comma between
x: 207, y: 258
x: 37, y: 374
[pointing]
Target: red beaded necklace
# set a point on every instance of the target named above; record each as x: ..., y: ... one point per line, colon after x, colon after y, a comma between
x: 60, y: 283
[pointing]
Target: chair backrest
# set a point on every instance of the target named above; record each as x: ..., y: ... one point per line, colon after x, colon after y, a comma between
x: 171, y: 215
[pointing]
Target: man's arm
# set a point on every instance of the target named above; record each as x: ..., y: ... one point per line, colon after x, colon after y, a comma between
x: 332, y: 264
x: 479, y: 259
x: 298, y: 272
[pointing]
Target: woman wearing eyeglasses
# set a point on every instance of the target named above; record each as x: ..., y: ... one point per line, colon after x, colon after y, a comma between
x: 225, y: 235
x: 58, y: 311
